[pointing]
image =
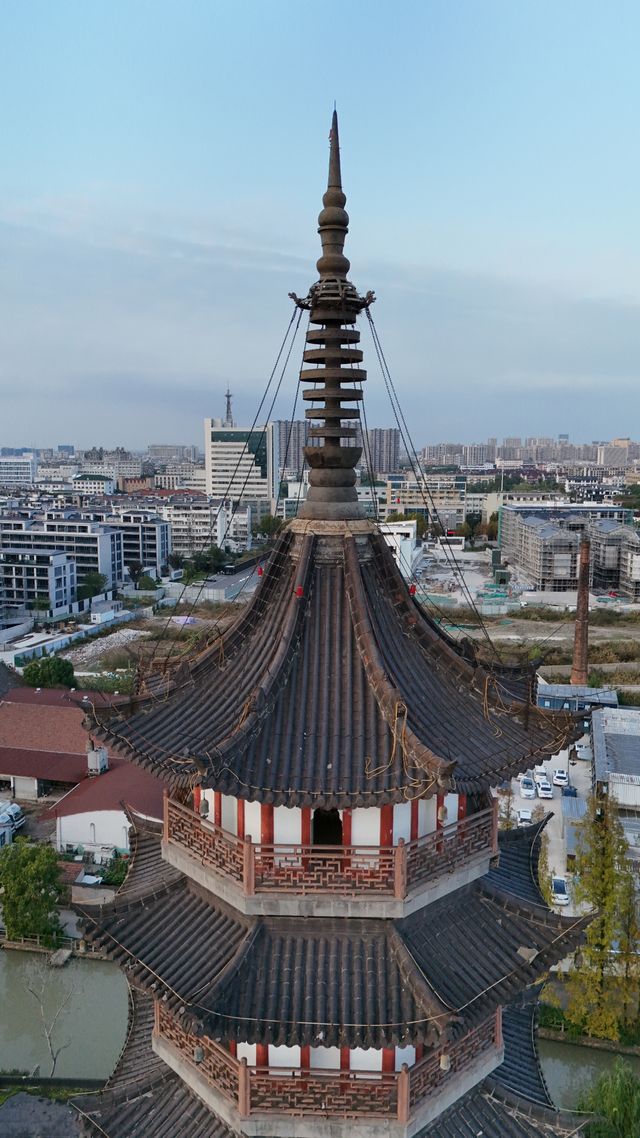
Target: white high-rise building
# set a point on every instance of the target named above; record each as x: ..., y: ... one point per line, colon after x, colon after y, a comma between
x: 18, y: 470
x: 242, y: 464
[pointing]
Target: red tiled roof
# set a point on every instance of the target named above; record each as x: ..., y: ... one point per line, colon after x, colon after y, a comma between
x: 55, y: 766
x: 124, y: 782
x: 49, y: 720
x: 60, y: 697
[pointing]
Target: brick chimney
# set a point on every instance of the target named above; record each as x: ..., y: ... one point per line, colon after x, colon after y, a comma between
x: 580, y: 666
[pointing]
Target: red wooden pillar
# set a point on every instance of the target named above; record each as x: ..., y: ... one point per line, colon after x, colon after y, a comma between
x: 462, y: 806
x: 262, y: 1055
x: 388, y: 1060
x: 233, y: 1048
x: 197, y: 798
x: 266, y: 824
x: 305, y: 1057
x: 386, y: 825
x: 217, y: 808
x: 347, y: 821
x: 241, y: 818
x: 305, y: 826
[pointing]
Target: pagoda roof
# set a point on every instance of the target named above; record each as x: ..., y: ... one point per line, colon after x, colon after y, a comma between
x: 334, y: 689
x: 144, y: 1095
x: 344, y: 981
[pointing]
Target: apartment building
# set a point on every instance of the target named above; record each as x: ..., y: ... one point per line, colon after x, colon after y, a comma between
x: 94, y: 548
x: 146, y: 537
x: 438, y: 498
x: 18, y: 470
x: 38, y: 579
x: 196, y: 525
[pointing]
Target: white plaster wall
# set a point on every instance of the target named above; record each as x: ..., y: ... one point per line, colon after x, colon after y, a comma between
x: 365, y: 826
x: 252, y: 822
x: 401, y: 822
x: 324, y: 1058
x: 281, y: 1056
x: 405, y: 1055
x: 247, y: 1051
x: 287, y: 825
x: 365, y: 1059
x: 111, y: 829
x: 229, y: 814
x: 209, y: 796
x: 427, y: 809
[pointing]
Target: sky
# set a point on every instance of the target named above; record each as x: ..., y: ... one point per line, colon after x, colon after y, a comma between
x: 163, y: 163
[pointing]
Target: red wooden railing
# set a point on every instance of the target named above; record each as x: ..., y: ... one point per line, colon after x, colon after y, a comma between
x: 339, y: 870
x: 330, y: 1094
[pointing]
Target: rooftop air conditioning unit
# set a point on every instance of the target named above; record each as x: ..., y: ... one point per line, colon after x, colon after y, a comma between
x: 97, y: 760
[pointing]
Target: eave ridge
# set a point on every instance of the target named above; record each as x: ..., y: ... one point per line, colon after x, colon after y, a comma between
x: 389, y: 698
x: 440, y: 1013
x: 263, y: 696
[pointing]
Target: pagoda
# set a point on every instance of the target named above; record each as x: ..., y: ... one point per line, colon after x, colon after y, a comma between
x: 329, y: 937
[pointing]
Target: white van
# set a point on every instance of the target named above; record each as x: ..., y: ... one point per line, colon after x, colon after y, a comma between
x: 14, y: 813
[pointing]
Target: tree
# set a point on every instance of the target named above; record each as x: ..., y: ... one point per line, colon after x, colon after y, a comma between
x: 421, y: 527
x: 176, y: 561
x: 269, y: 525
x: 474, y: 522
x: 146, y: 583
x: 506, y: 808
x: 92, y: 585
x: 50, y: 672
x: 31, y: 890
x: 628, y: 943
x: 615, y: 1099
x: 601, y: 863
x: 135, y: 570
x: 39, y: 985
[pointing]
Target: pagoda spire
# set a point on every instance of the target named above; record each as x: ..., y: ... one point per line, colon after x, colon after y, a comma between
x: 332, y: 350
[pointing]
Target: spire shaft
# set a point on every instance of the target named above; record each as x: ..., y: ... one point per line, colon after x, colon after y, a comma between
x: 332, y: 351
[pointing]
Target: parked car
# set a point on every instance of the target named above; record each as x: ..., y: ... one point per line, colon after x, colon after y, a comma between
x: 14, y: 812
x: 540, y: 772
x: 560, y: 777
x: 527, y: 788
x: 583, y: 751
x: 544, y: 788
x: 524, y: 817
x: 559, y: 891
x: 569, y: 792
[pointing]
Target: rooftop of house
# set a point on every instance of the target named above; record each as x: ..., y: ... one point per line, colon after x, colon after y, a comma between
x: 616, y: 743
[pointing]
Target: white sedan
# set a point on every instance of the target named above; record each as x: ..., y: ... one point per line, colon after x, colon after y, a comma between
x: 559, y: 891
x: 527, y: 788
x: 544, y: 788
x: 560, y: 777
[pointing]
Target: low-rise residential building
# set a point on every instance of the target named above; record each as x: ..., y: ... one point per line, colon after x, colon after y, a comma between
x: 439, y: 499
x: 93, y: 484
x: 402, y: 539
x: 146, y: 538
x: 38, y: 579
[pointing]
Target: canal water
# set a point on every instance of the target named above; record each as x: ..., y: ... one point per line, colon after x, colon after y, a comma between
x: 90, y: 1029
x: 569, y: 1069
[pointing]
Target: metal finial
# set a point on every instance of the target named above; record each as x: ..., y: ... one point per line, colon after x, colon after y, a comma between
x: 333, y: 221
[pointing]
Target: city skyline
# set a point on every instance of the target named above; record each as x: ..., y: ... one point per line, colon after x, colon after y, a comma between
x: 146, y: 203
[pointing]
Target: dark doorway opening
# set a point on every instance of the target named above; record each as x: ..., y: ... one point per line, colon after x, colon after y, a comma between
x: 326, y: 828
